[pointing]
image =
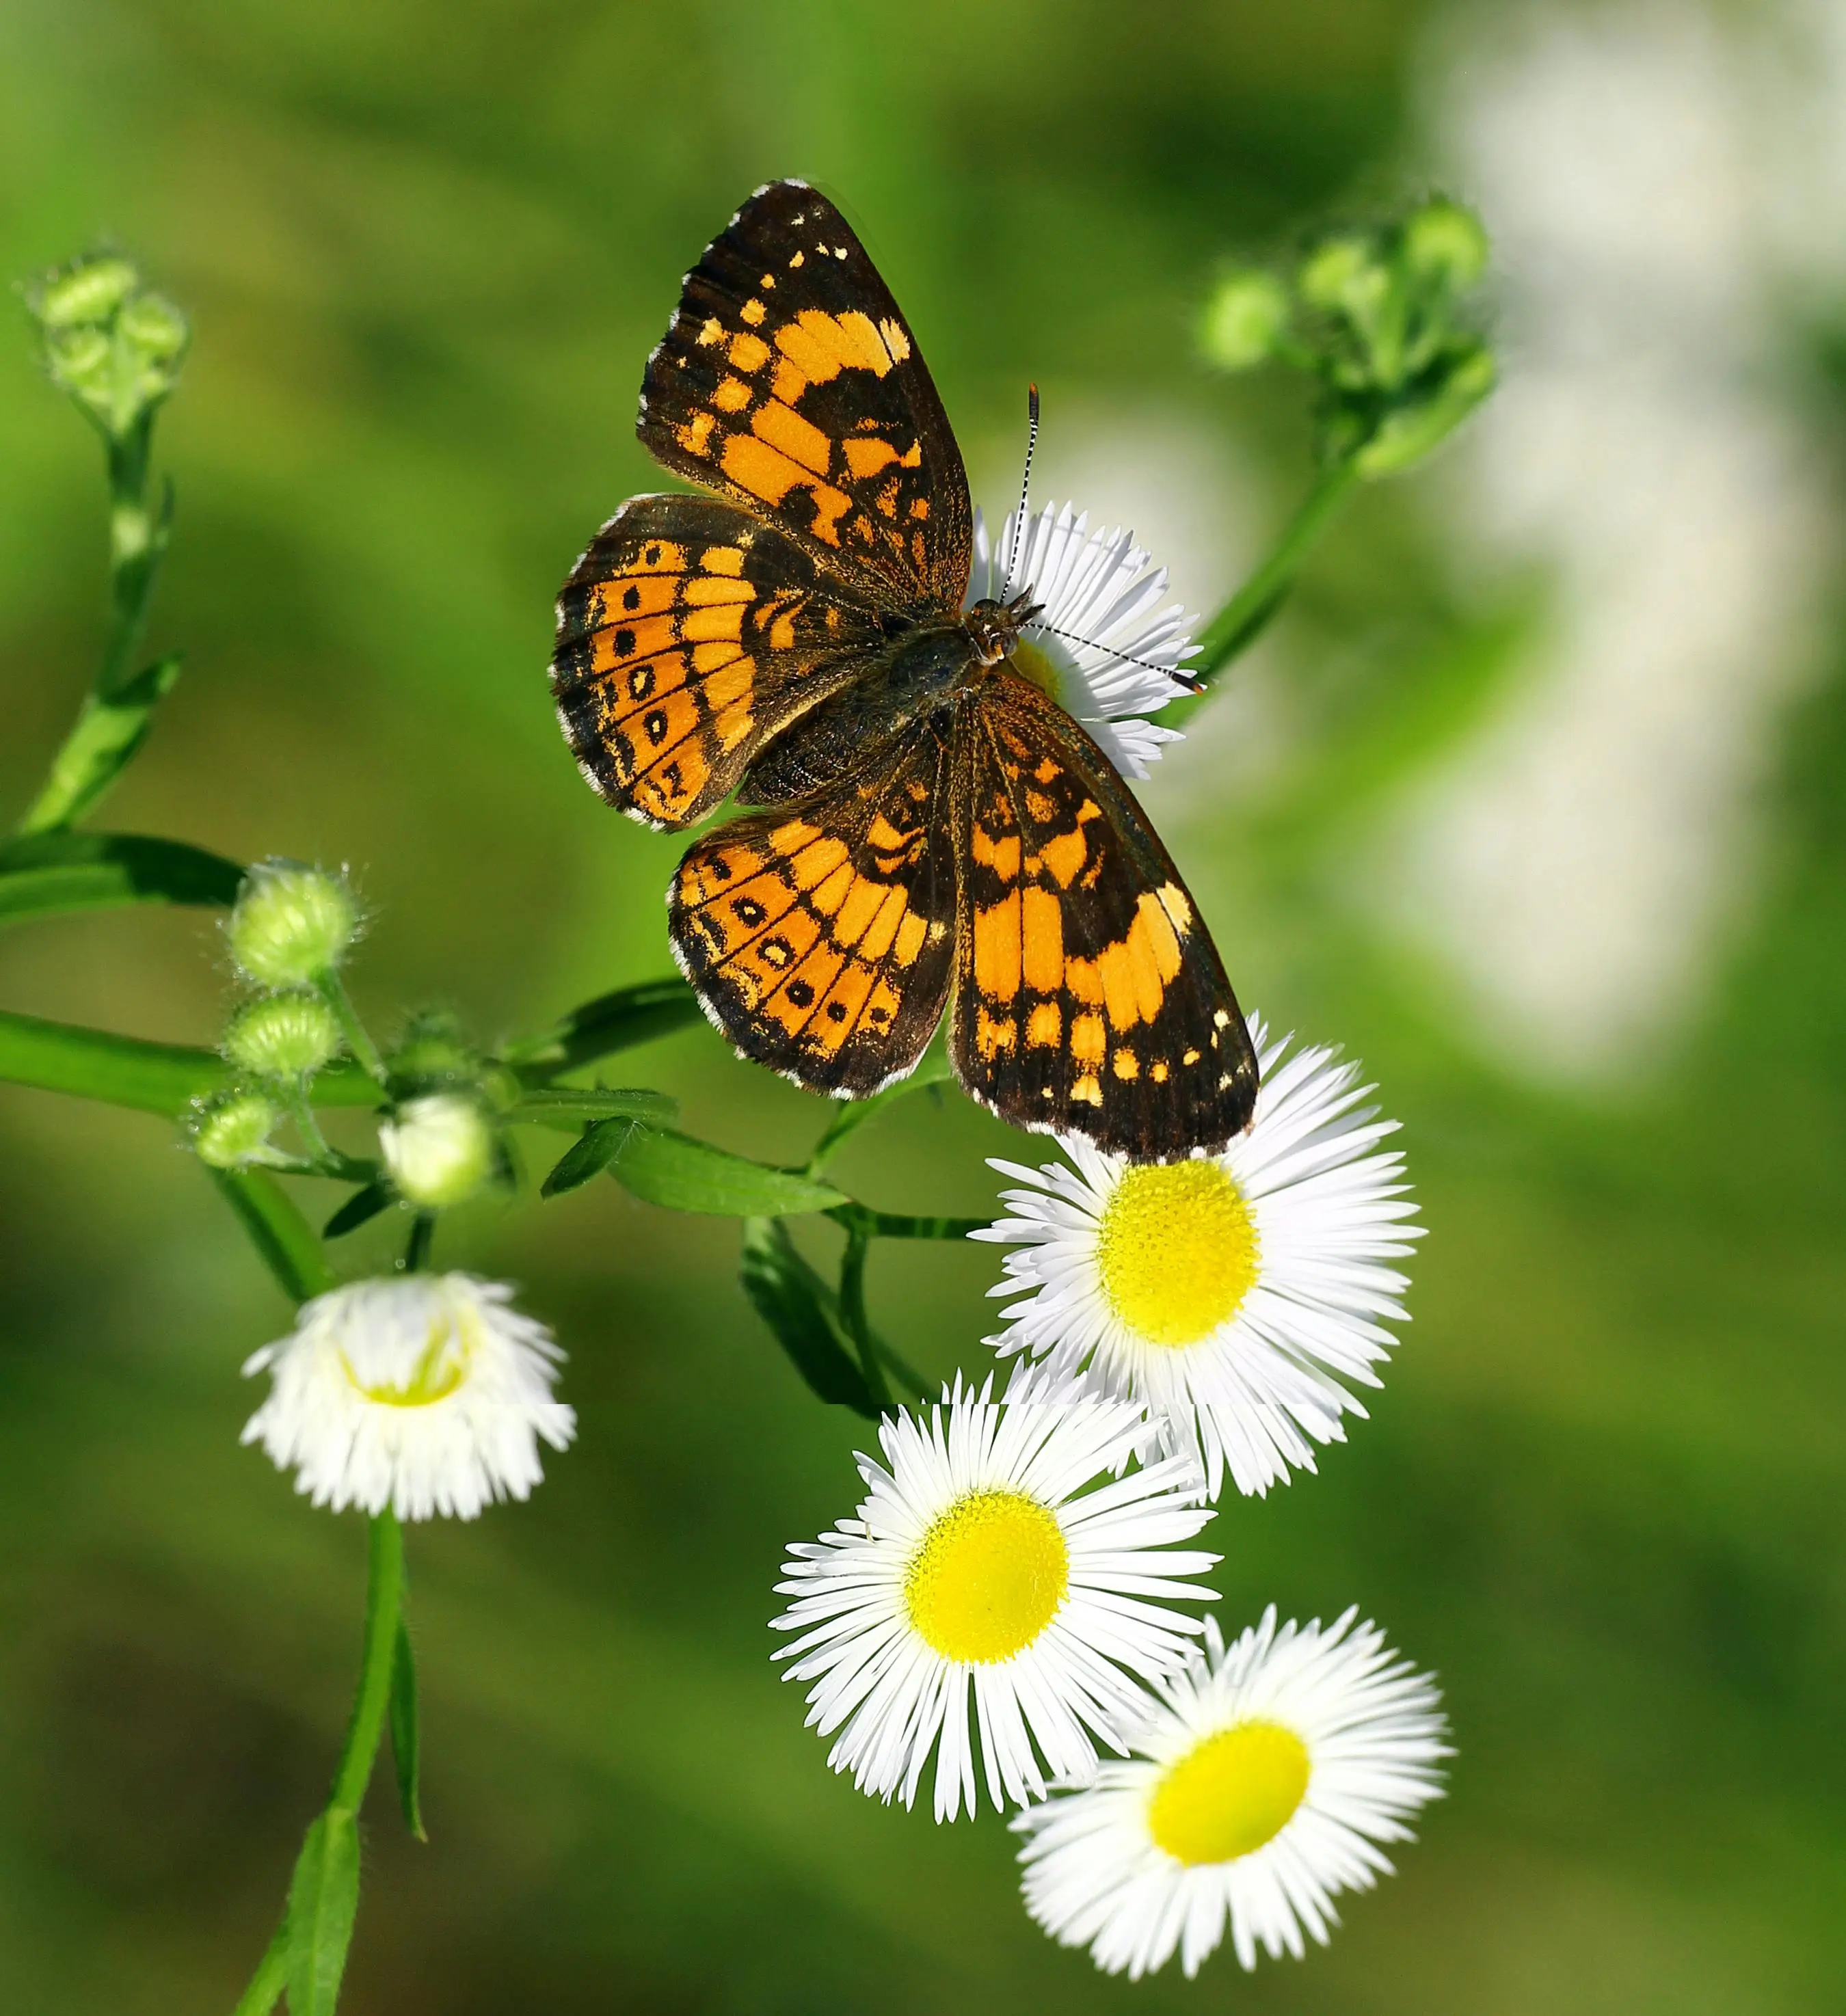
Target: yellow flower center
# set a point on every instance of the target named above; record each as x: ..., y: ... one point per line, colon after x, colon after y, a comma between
x: 1230, y: 1794
x: 988, y: 1578
x: 1030, y: 661
x: 1177, y: 1250
x: 441, y: 1367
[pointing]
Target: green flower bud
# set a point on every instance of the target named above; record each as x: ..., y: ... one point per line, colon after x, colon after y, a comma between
x: 234, y: 1132
x: 81, y: 362
x: 1245, y: 320
x: 1446, y: 244
x: 438, y: 1150
x: 90, y: 292
x: 1345, y: 276
x: 155, y: 327
x: 433, y: 1054
x: 1411, y: 430
x: 283, y: 1036
x: 291, y: 923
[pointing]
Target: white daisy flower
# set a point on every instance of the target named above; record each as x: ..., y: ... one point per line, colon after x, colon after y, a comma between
x: 425, y: 1392
x: 1096, y: 588
x: 980, y: 1566
x: 1262, y: 1780
x: 1229, y: 1295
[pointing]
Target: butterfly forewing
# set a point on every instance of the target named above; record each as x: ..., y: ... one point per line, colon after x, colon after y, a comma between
x: 1088, y: 995
x: 820, y: 936
x: 689, y: 634
x: 788, y: 379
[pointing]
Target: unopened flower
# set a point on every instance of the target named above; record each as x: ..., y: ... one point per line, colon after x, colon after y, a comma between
x: 429, y: 1393
x: 1263, y: 1780
x: 233, y: 1131
x: 1231, y: 1294
x: 438, y: 1149
x: 288, y: 1035
x: 291, y: 925
x: 1102, y: 646
x: 980, y: 1572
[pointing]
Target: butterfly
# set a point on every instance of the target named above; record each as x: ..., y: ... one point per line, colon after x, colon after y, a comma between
x: 934, y: 829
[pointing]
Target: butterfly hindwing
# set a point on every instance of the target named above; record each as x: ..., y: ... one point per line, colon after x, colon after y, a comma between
x: 688, y: 634
x: 1088, y: 995
x: 789, y: 379
x: 820, y: 936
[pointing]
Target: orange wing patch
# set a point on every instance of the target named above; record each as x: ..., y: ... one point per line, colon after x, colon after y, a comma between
x: 1087, y: 996
x: 820, y: 937
x: 689, y: 634
x: 788, y: 379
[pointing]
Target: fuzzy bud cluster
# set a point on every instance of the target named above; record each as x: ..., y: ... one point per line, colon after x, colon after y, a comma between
x: 113, y: 346
x: 292, y: 925
x: 1378, y: 317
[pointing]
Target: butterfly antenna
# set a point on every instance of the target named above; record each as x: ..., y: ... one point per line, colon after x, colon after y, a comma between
x: 1176, y: 673
x: 1012, y: 552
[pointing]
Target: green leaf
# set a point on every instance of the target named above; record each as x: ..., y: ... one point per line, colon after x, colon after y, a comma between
x: 322, y: 1902
x: 108, y: 729
x: 360, y: 1209
x: 403, y: 1731
x: 611, y: 1022
x: 588, y: 1156
x: 277, y: 1231
x: 934, y: 1068
x: 672, y: 1169
x: 45, y: 874
x: 568, y: 1107
x: 803, y: 1313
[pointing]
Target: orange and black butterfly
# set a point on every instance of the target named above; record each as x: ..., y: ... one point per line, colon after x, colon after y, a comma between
x: 936, y: 829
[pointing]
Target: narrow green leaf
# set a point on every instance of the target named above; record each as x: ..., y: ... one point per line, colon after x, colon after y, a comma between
x: 322, y: 1902
x: 46, y: 874
x: 903, y: 1225
x: 611, y: 1022
x: 360, y: 1209
x: 934, y: 1068
x: 588, y: 1156
x: 110, y: 729
x: 568, y: 1107
x: 666, y: 1168
x: 404, y: 1731
x: 803, y: 1313
x: 277, y: 1231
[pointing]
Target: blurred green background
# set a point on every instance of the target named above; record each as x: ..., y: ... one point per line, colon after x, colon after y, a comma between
x: 427, y: 249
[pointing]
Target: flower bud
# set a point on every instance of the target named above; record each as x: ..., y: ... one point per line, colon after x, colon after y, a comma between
x: 1345, y: 276
x: 438, y: 1149
x: 283, y: 1036
x: 91, y: 291
x: 1445, y: 244
x: 432, y: 1055
x: 291, y: 923
x: 234, y: 1131
x: 155, y: 327
x: 1244, y: 320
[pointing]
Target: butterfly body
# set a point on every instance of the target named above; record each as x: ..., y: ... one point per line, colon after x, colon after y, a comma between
x: 933, y: 830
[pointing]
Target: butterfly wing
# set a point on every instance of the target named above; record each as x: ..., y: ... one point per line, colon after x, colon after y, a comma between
x: 788, y: 380
x: 820, y: 936
x: 1089, y: 997
x: 688, y: 635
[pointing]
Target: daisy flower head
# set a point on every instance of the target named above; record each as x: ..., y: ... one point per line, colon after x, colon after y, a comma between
x: 1102, y: 646
x: 1231, y: 1294
x: 428, y: 1393
x: 979, y: 1571
x: 1263, y: 1780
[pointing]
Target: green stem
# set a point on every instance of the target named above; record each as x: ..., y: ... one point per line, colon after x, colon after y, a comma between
x: 422, y: 1236
x: 1247, y: 614
x: 106, y: 733
x: 334, y: 989
x: 265, y: 1990
x: 853, y: 1312
x: 902, y: 1225
x: 288, y: 1244
x: 294, y: 1097
x: 384, y: 1604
